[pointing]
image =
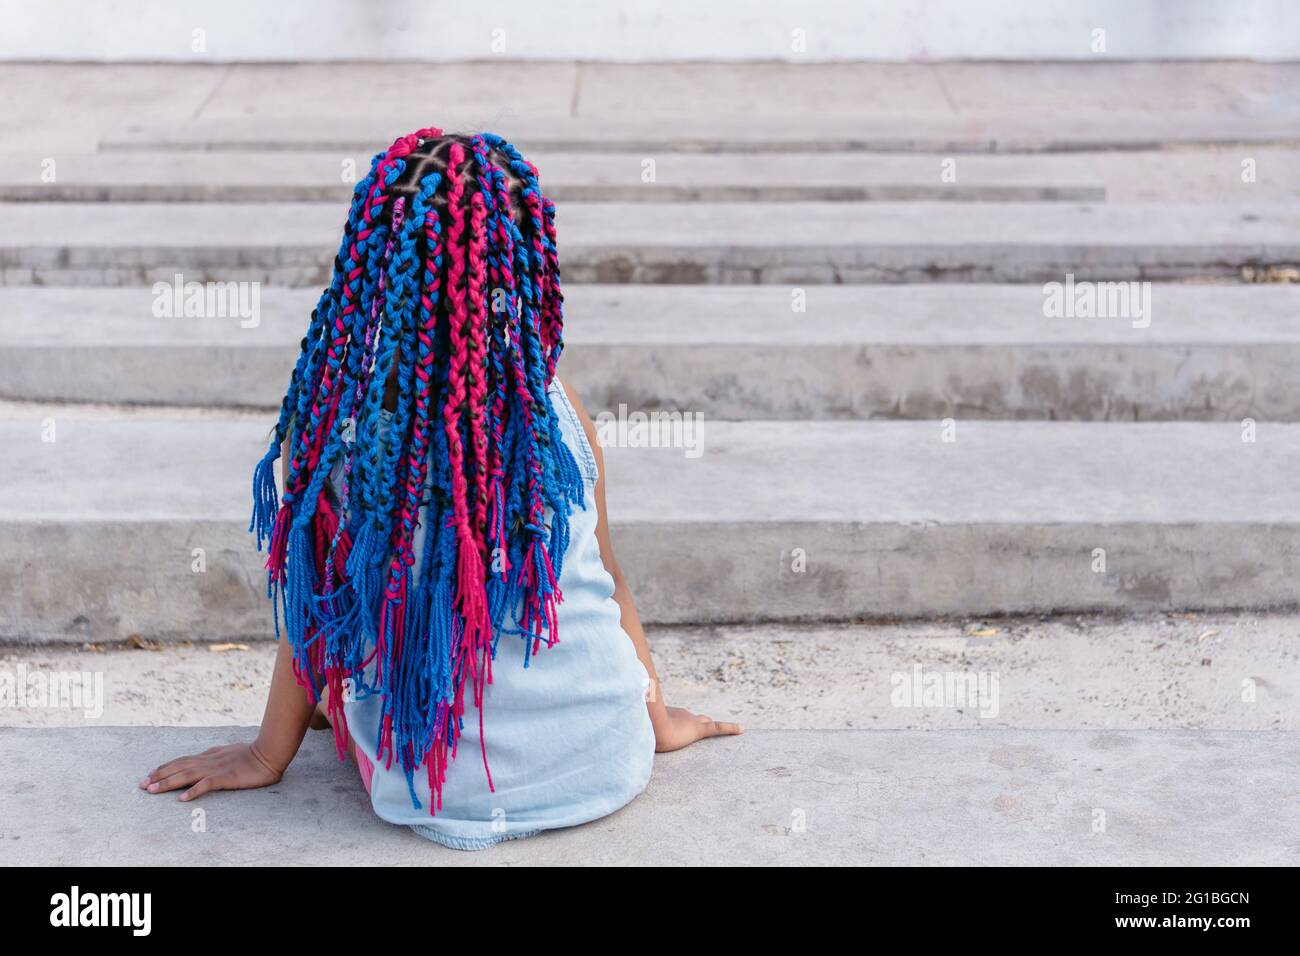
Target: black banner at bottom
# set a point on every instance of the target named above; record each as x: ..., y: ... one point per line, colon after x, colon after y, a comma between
x: 1224, y: 906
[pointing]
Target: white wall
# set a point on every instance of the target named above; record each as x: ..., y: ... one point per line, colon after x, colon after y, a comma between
x: 236, y: 30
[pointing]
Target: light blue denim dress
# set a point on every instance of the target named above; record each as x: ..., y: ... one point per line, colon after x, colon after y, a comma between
x: 569, y: 738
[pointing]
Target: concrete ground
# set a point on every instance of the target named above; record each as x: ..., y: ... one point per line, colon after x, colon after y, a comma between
x: 1090, y: 758
x: 1161, y: 671
x: 958, y: 798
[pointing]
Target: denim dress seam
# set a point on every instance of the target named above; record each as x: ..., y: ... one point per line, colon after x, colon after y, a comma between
x: 590, y: 470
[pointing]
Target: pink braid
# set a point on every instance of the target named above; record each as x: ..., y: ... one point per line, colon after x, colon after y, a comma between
x: 502, y: 277
x: 471, y: 595
x: 459, y: 353
x: 478, y: 362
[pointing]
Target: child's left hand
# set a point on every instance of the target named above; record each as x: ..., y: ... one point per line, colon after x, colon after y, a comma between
x: 681, y: 728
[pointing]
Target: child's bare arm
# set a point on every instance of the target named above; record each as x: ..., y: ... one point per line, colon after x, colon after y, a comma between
x: 675, y: 727
x: 247, y: 766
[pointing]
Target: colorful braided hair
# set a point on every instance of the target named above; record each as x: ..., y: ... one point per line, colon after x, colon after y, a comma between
x: 445, y: 293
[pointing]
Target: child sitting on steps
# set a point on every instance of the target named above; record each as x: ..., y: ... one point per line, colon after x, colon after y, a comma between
x: 441, y: 544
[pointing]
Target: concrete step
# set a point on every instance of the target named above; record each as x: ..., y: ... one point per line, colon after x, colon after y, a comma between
x: 741, y: 522
x: 1158, y: 671
x: 652, y: 107
x: 730, y: 243
x: 1032, y: 129
x: 1210, y: 175
x: 779, y: 798
x: 567, y: 177
x: 1209, y: 352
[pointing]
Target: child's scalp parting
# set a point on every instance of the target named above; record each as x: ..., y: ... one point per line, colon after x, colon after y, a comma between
x: 446, y: 294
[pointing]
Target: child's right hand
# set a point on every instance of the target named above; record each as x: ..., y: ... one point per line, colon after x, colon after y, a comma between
x: 231, y: 767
